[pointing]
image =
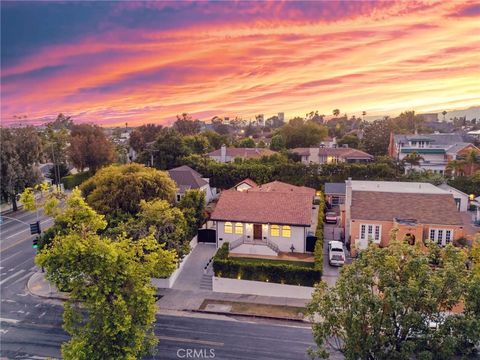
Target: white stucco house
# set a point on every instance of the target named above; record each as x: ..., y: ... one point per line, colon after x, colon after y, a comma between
x: 188, y: 179
x: 265, y: 220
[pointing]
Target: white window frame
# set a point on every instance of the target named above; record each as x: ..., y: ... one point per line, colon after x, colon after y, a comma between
x: 440, y: 235
x: 371, y: 231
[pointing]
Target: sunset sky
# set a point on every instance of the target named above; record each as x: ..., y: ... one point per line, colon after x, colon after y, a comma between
x: 142, y: 62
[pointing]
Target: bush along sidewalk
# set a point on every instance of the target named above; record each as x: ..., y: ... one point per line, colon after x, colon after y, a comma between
x: 318, y: 251
x: 238, y: 268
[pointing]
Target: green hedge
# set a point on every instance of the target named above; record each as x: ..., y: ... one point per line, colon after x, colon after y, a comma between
x: 226, y: 267
x: 318, y: 251
x: 71, y: 181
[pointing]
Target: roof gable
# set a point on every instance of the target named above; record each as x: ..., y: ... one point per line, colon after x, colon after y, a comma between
x: 187, y: 178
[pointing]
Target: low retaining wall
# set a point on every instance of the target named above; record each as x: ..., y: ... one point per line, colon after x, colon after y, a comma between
x: 168, y: 282
x: 261, y: 288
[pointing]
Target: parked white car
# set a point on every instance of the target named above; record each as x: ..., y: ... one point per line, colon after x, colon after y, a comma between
x: 336, y: 254
x: 331, y: 218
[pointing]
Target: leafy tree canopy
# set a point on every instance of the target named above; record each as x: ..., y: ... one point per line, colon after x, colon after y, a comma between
x: 392, y: 303
x: 117, y: 189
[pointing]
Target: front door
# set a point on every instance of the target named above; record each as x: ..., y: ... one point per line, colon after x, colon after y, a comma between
x: 257, y: 231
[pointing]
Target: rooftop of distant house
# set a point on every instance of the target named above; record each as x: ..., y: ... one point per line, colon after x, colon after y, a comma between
x: 243, y: 152
x: 345, y: 152
x: 186, y: 178
x: 335, y: 188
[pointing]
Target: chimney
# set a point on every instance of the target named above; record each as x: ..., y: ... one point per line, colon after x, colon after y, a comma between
x: 223, y: 154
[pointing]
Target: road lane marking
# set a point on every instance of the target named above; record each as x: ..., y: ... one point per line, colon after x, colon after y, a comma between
x: 42, y: 314
x: 10, y: 321
x: 22, y: 231
x: 12, y: 276
x: 192, y: 341
x: 9, y: 257
x: 22, y: 278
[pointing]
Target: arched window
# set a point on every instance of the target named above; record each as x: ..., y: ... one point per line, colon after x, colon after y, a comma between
x: 274, y: 230
x: 238, y: 228
x: 228, y: 228
x: 286, y: 231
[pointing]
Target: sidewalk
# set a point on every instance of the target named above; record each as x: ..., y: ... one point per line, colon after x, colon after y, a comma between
x: 173, y: 300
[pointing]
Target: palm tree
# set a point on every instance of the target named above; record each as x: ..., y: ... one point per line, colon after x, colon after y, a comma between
x: 472, y: 160
x: 455, y: 166
x: 413, y: 158
x: 444, y: 113
x: 336, y: 112
x: 363, y: 115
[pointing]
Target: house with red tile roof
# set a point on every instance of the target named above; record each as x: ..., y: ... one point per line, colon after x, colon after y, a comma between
x: 418, y: 211
x: 229, y: 154
x: 265, y: 220
x: 331, y: 155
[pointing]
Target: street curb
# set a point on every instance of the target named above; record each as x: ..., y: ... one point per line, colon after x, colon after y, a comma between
x: 53, y: 295
x: 250, y: 315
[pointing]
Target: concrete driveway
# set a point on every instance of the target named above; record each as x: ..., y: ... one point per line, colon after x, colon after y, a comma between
x: 330, y: 273
x: 192, y: 273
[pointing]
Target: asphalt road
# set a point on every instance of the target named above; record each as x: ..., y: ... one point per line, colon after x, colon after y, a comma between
x: 31, y: 327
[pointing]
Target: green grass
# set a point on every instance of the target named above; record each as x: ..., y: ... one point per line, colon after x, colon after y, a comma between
x: 272, y: 261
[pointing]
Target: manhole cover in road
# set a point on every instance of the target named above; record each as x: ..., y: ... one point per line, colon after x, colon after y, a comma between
x: 218, y: 307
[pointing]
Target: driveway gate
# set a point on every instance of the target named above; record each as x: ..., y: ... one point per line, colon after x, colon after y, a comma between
x: 207, y: 236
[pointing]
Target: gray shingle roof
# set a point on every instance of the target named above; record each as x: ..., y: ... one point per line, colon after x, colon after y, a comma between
x: 186, y: 178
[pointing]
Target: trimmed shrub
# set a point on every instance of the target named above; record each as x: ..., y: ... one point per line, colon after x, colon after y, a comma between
x: 72, y: 181
x: 281, y: 273
x: 318, y: 251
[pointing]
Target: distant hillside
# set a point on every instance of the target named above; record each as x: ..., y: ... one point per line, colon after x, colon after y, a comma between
x: 470, y: 113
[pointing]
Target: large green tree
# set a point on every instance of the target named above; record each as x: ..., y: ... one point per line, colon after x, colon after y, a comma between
x: 21, y: 151
x: 119, y: 189
x: 394, y: 303
x: 167, y: 150
x: 192, y: 205
x: 111, y: 305
x: 164, y: 222
x: 303, y: 134
x: 89, y: 147
x: 376, y: 137
x: 141, y: 136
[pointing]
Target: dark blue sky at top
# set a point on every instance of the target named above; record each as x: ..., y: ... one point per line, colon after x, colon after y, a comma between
x: 27, y: 26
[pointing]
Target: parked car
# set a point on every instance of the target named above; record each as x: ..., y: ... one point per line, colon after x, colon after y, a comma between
x: 336, y: 255
x: 331, y: 218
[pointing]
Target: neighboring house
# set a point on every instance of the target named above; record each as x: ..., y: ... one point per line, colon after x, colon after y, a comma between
x: 329, y: 142
x: 475, y: 134
x: 188, y: 179
x: 461, y: 199
x: 335, y: 193
x: 265, y: 220
x: 333, y: 155
x: 419, y: 211
x: 225, y: 155
x: 435, y: 149
x: 244, y: 185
